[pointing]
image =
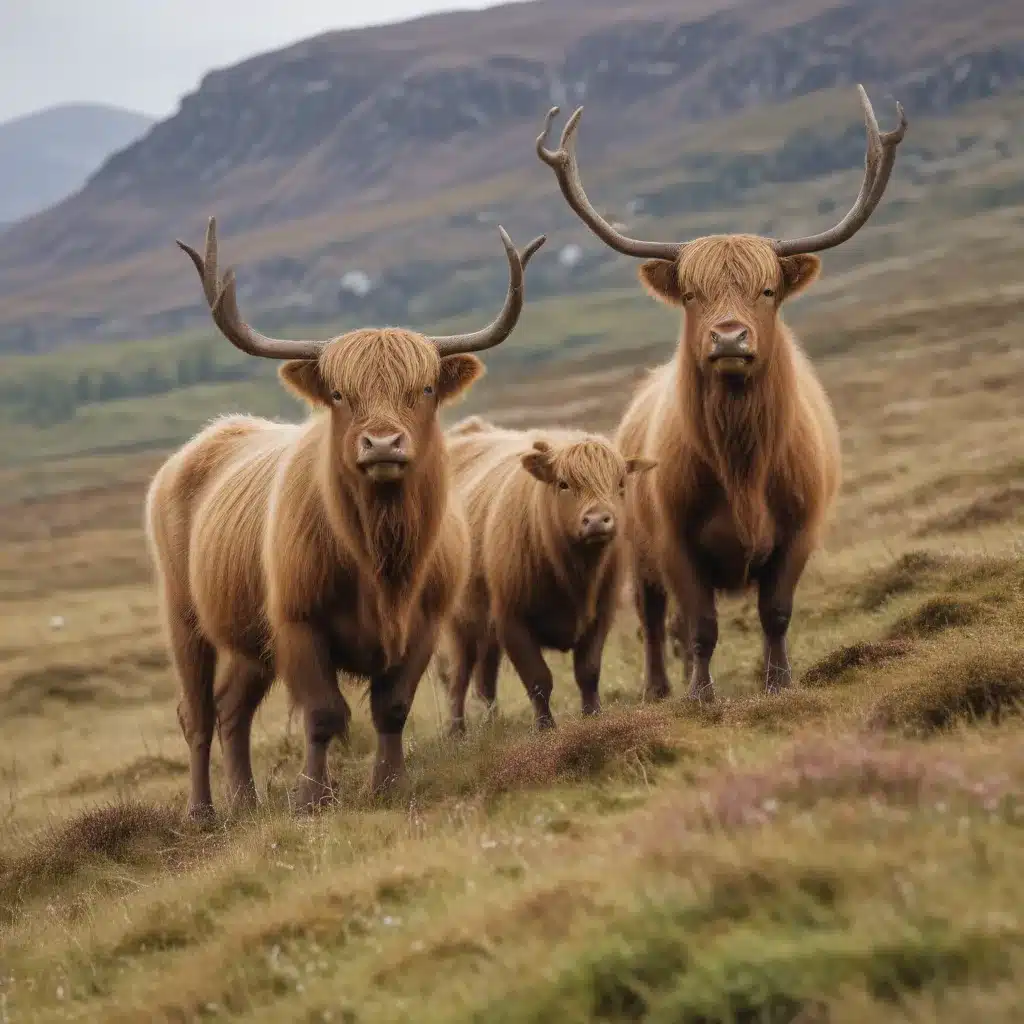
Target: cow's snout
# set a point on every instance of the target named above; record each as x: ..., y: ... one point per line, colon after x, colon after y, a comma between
x: 383, y: 457
x: 597, y: 525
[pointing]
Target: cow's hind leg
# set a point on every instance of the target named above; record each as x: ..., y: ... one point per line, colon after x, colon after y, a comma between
x: 487, y: 673
x: 464, y: 659
x: 652, y: 607
x: 682, y: 644
x: 194, y: 659
x: 241, y: 684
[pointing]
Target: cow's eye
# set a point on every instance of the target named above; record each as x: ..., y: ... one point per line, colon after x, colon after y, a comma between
x: 562, y: 485
x: 336, y: 395
x: 429, y: 389
x: 769, y: 293
x: 688, y: 297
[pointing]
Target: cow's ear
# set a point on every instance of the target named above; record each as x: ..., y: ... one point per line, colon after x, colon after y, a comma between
x: 538, y: 462
x: 798, y: 273
x: 661, y: 279
x: 457, y: 374
x: 302, y: 378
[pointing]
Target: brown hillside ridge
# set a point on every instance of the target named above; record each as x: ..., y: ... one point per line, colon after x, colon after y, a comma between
x: 740, y: 427
x: 301, y: 551
x: 545, y: 509
x: 350, y: 150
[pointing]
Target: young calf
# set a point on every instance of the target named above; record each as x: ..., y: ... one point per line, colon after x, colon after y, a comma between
x: 544, y: 509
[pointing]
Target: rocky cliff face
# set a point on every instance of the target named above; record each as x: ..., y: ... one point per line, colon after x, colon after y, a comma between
x: 357, y: 120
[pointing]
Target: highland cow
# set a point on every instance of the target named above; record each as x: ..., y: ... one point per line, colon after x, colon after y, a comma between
x: 305, y: 550
x: 544, y: 508
x: 744, y: 436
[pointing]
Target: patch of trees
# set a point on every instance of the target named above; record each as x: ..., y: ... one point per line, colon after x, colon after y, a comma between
x: 46, y: 391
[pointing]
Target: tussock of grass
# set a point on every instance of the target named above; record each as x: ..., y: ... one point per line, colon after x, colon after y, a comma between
x: 837, y: 664
x: 582, y: 750
x: 909, y: 572
x: 130, y: 833
x: 977, y: 684
x: 935, y: 616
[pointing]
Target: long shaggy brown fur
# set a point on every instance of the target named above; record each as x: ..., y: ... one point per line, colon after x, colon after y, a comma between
x: 543, y: 509
x: 748, y: 452
x: 278, y: 556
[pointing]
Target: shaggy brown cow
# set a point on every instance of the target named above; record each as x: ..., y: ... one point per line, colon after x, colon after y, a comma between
x: 745, y: 440
x: 543, y: 509
x: 307, y: 550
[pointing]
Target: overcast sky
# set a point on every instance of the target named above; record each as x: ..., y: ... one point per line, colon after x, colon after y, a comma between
x: 144, y: 54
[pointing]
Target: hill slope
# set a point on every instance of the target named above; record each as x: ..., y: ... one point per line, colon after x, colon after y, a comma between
x: 383, y: 150
x: 46, y: 156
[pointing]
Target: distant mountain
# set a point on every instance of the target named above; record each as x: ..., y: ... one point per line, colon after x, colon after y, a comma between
x: 46, y: 156
x: 365, y: 168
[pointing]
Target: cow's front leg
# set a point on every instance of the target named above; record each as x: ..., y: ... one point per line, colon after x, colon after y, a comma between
x: 525, y: 654
x: 303, y: 660
x: 391, y: 696
x: 775, y: 609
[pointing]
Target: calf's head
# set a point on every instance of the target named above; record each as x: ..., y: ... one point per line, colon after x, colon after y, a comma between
x: 382, y: 386
x: 730, y: 286
x: 585, y: 487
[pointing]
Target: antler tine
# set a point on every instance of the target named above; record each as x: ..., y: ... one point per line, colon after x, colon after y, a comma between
x: 563, y: 162
x: 205, y: 267
x: 879, y: 159
x: 528, y: 253
x: 504, y: 323
x: 223, y: 302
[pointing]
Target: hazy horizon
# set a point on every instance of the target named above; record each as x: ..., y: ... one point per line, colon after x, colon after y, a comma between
x: 144, y: 58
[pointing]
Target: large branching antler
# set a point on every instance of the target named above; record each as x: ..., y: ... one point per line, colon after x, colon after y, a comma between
x: 223, y: 302
x: 503, y: 325
x: 567, y: 171
x: 879, y: 159
x: 878, y: 165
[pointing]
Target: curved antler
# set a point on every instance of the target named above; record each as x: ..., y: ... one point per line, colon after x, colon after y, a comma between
x: 223, y: 303
x: 503, y: 325
x: 878, y: 164
x: 563, y: 162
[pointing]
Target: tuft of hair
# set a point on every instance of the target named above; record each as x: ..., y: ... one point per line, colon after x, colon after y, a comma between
x: 384, y: 362
x: 746, y: 261
x: 586, y: 462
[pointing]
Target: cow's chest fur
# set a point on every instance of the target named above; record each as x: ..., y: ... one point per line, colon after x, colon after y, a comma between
x: 709, y: 528
x: 359, y: 626
x: 562, y: 606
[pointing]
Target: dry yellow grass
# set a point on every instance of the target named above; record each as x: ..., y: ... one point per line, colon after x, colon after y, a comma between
x: 846, y: 852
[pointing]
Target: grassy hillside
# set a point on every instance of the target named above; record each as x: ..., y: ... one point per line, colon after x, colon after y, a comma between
x: 956, y: 187
x: 845, y: 852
